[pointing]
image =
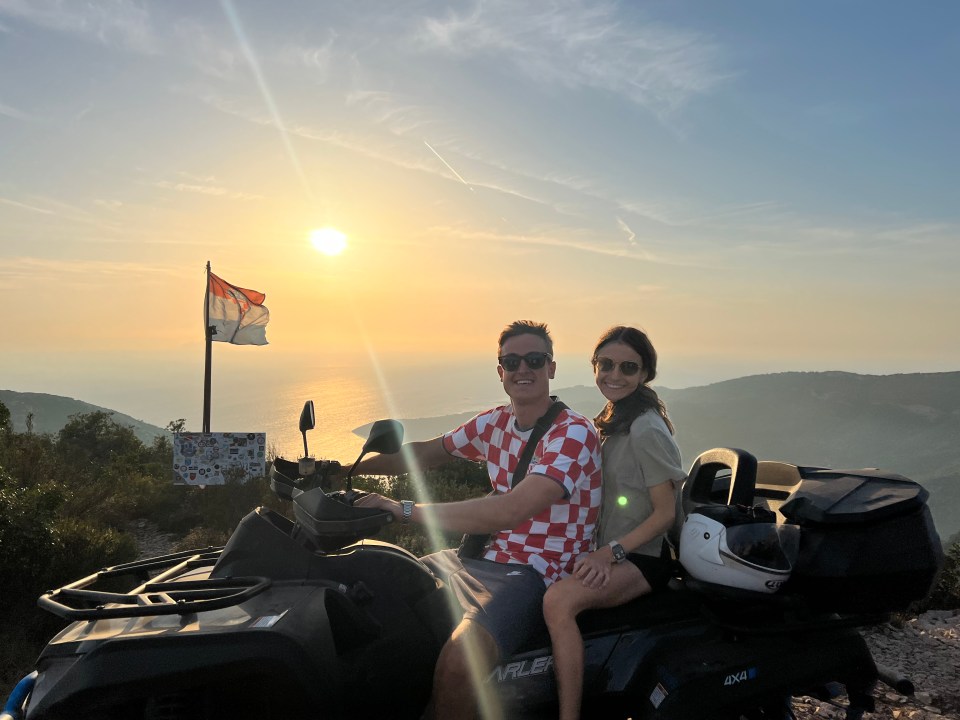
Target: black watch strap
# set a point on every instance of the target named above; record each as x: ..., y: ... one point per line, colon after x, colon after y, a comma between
x: 619, y: 554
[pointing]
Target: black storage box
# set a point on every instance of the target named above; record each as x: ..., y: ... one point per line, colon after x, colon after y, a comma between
x: 867, y: 542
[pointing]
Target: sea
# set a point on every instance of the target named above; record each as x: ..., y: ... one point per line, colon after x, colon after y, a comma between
x: 257, y: 391
x: 261, y: 390
x: 347, y: 398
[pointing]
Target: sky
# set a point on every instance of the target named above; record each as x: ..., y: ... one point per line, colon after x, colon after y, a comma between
x: 761, y: 186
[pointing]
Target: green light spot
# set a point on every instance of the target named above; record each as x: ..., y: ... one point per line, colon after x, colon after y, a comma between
x: 621, y: 501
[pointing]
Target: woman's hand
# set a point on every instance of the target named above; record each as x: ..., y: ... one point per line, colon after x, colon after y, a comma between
x: 375, y: 500
x: 593, y: 569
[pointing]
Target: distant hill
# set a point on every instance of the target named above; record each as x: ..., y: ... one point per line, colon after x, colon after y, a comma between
x: 51, y: 412
x: 909, y: 424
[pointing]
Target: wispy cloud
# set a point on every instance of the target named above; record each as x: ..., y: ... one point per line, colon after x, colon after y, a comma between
x: 680, y: 213
x: 58, y: 212
x: 206, y: 189
x: 398, y: 115
x: 317, y: 58
x: 584, y: 44
x: 807, y: 237
x: 212, y: 53
x: 12, y: 112
x: 122, y: 22
x: 562, y: 192
x: 518, y: 242
x: 26, y: 206
x: 73, y: 272
x: 348, y: 140
x: 631, y: 235
x: 51, y: 206
x: 112, y: 205
x: 266, y: 93
x: 922, y: 234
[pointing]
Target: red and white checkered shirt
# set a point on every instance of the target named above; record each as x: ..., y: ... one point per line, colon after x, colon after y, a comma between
x: 569, y: 454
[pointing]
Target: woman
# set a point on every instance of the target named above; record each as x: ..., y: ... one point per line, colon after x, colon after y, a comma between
x: 641, y: 471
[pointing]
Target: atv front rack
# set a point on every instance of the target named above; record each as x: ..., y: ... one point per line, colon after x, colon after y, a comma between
x: 163, y: 595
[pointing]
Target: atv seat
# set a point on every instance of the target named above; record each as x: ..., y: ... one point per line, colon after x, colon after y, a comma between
x: 776, y: 481
x: 664, y: 607
x: 656, y: 608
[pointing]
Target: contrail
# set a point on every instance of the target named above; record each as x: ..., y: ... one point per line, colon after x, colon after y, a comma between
x: 448, y: 165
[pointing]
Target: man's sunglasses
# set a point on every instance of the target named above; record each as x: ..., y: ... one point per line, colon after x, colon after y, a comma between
x: 627, y: 367
x: 534, y: 360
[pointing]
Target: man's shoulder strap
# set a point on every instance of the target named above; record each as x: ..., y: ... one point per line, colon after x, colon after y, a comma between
x: 539, y: 430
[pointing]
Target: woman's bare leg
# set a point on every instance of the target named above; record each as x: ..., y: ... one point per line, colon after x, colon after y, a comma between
x: 563, y: 602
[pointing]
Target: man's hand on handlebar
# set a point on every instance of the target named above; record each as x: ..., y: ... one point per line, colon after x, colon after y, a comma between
x: 375, y: 500
x: 353, y: 497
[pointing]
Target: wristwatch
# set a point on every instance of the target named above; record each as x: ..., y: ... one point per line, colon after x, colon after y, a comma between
x: 406, y: 510
x: 619, y: 554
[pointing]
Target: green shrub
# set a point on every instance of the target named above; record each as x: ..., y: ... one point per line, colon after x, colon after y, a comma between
x: 28, y: 539
x: 221, y: 507
x: 946, y: 593
x: 83, y: 549
x: 29, y: 458
x: 202, y: 537
x: 95, y: 440
x: 459, y: 480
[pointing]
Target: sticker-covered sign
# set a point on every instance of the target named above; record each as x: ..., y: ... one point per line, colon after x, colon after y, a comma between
x: 210, y: 458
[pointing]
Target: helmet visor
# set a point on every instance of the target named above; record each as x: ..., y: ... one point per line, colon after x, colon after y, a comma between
x: 765, y: 546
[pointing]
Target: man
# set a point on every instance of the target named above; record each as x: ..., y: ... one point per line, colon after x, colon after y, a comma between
x: 550, y: 514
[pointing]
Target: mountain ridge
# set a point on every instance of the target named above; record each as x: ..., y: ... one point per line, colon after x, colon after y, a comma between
x: 908, y: 423
x: 51, y: 412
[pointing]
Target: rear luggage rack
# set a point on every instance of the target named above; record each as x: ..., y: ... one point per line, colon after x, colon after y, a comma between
x: 161, y: 596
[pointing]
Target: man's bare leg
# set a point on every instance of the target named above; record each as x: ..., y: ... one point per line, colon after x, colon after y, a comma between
x: 460, y: 691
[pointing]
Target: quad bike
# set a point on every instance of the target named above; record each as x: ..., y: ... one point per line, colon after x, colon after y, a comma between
x: 311, y: 618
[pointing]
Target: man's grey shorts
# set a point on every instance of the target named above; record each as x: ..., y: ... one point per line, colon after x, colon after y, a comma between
x: 505, y: 598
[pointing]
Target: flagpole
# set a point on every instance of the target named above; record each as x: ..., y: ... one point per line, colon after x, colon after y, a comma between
x: 207, y: 353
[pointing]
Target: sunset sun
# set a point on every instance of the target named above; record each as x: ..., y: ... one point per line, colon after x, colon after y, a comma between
x: 328, y: 240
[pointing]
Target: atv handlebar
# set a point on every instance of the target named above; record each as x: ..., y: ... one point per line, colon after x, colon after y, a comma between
x: 329, y: 518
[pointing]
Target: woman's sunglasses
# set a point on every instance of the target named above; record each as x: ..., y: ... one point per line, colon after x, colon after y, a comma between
x: 627, y: 367
x: 534, y: 360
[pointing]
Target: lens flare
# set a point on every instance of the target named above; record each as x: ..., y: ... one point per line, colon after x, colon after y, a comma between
x: 489, y: 707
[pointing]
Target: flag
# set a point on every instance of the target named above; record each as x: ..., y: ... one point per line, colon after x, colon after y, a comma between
x: 236, y: 315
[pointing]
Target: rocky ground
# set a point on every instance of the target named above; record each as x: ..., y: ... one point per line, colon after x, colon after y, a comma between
x: 925, y: 650
x: 150, y: 541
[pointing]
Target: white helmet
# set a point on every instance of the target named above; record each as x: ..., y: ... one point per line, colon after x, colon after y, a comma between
x: 731, y: 546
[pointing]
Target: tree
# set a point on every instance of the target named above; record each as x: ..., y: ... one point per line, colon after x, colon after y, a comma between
x: 177, y: 426
x: 96, y: 438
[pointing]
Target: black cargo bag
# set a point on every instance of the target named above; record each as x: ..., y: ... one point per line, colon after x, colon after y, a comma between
x: 867, y: 541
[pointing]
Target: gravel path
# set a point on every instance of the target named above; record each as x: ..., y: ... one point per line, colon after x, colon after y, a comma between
x: 150, y: 541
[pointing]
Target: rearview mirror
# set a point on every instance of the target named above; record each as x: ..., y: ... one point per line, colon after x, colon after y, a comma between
x: 385, y: 437
x: 308, y: 421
